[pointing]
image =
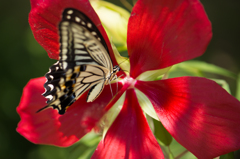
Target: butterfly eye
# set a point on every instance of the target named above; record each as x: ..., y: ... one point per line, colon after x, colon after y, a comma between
x: 116, y: 68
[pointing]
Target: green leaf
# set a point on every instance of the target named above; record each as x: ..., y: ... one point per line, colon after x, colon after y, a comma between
x: 179, y: 152
x: 90, y: 139
x: 161, y: 133
x: 197, y: 67
x: 114, y: 20
x: 228, y: 156
x: 79, y: 150
x: 123, y: 62
x: 171, y: 156
x: 52, y: 152
x: 85, y: 147
x: 238, y: 88
x: 150, y: 122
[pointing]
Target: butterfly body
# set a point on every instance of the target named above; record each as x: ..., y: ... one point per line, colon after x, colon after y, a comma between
x: 84, y: 63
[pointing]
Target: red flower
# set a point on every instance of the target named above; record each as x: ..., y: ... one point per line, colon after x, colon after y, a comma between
x: 197, y: 112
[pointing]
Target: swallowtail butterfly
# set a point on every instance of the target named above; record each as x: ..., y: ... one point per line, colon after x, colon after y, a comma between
x: 84, y: 63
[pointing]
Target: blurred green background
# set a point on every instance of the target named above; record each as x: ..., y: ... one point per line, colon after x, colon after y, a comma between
x: 22, y: 58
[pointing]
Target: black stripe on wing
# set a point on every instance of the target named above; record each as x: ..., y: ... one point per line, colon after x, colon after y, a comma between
x: 74, y: 30
x: 73, y: 15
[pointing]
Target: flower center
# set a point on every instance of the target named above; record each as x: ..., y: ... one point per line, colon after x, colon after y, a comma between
x: 129, y: 81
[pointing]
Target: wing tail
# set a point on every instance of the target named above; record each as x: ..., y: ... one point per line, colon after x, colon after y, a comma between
x: 46, y: 107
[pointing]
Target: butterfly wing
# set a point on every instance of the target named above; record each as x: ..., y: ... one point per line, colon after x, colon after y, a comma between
x: 84, y: 62
x: 64, y: 87
x: 81, y: 42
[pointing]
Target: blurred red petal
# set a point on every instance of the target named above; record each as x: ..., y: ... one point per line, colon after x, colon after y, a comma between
x: 162, y: 33
x: 45, y: 16
x: 198, y: 113
x: 40, y: 127
x: 48, y: 127
x: 129, y: 136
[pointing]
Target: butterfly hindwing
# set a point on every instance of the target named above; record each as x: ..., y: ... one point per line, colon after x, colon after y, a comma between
x: 63, y: 87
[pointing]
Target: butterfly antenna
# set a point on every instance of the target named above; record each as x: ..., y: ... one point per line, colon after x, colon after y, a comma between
x: 123, y: 61
x: 125, y: 71
x: 117, y: 85
x: 110, y: 87
x: 117, y: 80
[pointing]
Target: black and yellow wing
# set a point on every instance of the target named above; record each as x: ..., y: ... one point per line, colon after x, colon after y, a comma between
x: 84, y: 63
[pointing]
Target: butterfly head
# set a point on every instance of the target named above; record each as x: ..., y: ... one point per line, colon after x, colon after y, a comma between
x: 116, y: 69
x: 113, y: 75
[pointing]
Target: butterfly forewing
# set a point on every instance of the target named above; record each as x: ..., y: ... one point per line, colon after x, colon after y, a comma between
x: 84, y: 62
x: 81, y: 42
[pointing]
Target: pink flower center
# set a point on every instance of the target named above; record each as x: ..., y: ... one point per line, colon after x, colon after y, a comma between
x: 129, y: 81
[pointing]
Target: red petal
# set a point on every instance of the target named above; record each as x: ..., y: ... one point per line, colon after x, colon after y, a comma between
x: 129, y: 137
x: 165, y: 32
x: 198, y: 113
x: 45, y: 16
x: 48, y: 127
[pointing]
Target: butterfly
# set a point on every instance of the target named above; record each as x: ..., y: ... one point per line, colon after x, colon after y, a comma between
x: 84, y: 63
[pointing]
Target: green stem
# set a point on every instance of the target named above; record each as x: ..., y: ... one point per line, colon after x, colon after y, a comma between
x: 127, y: 5
x: 170, y: 156
x: 181, y: 154
x: 238, y: 87
x: 134, y: 2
